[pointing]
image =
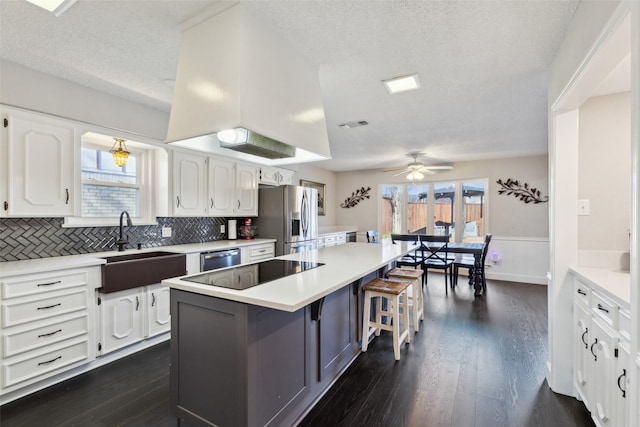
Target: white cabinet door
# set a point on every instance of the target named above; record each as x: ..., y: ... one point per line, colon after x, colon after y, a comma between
x: 189, y: 184
x: 581, y: 352
x: 158, y: 318
x: 621, y: 395
x: 285, y: 177
x: 246, y: 190
x: 221, y: 187
x: 269, y: 176
x: 604, y: 342
x: 121, y: 319
x: 42, y: 155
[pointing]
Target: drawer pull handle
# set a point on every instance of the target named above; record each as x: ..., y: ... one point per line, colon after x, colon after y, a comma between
x: 581, y: 292
x: 49, y: 361
x: 137, y: 303
x: 595, y: 356
x: 600, y: 307
x: 66, y: 202
x: 49, y: 334
x: 623, y: 375
x: 586, y: 331
x: 50, y: 283
x: 153, y: 299
x: 49, y: 306
x: 262, y: 250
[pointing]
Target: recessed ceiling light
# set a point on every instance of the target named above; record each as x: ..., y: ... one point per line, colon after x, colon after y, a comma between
x: 57, y: 7
x: 350, y: 125
x: 402, y: 83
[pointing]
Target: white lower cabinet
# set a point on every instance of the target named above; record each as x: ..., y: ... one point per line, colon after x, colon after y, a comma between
x: 46, y: 326
x: 130, y: 316
x: 158, y: 316
x: 601, y: 356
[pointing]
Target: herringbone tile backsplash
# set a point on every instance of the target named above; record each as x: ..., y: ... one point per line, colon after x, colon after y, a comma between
x: 31, y: 238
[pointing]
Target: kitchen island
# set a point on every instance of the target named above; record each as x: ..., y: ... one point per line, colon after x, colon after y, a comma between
x: 266, y: 354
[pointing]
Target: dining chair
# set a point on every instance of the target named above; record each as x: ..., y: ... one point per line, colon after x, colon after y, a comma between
x: 413, y: 260
x: 372, y: 236
x: 435, y: 254
x: 468, y: 262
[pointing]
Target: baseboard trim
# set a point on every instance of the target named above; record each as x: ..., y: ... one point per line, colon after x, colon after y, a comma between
x: 520, y: 278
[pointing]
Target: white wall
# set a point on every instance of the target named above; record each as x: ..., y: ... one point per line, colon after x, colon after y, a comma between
x: 507, y: 216
x: 313, y: 173
x: 605, y: 180
x: 29, y: 89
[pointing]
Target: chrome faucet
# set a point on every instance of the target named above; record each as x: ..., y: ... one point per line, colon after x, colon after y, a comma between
x: 122, y: 241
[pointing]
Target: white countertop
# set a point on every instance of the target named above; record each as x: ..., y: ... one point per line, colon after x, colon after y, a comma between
x: 325, y: 230
x: 614, y: 283
x: 343, y: 265
x: 12, y: 268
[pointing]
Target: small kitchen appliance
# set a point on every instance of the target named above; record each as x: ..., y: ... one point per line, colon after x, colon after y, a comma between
x: 246, y: 230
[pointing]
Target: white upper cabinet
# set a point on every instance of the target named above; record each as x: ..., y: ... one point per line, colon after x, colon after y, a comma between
x: 221, y: 187
x: 275, y: 176
x: 41, y: 165
x: 189, y: 185
x: 246, y: 190
x: 208, y: 186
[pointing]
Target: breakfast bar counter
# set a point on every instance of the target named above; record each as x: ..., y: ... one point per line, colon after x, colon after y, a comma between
x: 265, y: 355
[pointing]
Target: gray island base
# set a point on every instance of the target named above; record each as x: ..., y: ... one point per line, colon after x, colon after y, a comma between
x: 235, y: 363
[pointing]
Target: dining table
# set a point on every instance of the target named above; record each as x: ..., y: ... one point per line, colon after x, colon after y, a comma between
x: 472, y: 248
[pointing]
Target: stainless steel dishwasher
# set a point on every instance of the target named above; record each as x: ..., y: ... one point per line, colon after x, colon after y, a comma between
x: 214, y: 260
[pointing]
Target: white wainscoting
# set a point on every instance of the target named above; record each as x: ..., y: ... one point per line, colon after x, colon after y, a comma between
x: 518, y: 259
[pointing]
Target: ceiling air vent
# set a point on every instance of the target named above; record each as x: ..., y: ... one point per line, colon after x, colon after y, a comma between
x: 350, y: 125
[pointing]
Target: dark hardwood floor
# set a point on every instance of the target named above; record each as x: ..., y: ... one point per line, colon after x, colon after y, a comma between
x: 475, y: 362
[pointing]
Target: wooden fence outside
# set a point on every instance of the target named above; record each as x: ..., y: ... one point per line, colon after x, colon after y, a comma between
x: 417, y: 215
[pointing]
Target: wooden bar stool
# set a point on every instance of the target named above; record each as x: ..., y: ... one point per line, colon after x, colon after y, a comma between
x: 395, y: 292
x: 415, y: 297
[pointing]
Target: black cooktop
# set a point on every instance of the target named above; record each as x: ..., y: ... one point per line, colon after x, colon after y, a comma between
x: 248, y: 276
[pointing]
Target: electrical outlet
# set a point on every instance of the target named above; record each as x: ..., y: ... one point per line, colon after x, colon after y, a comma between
x: 222, y: 228
x: 584, y: 207
x: 166, y: 231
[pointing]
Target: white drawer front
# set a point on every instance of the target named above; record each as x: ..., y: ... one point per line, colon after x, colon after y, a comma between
x: 329, y: 239
x: 582, y: 293
x: 39, y: 363
x: 22, y: 311
x: 37, y: 283
x: 260, y: 252
x: 341, y: 239
x: 605, y: 309
x: 20, y: 340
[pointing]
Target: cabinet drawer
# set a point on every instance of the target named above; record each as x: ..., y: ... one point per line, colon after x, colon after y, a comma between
x: 341, y: 239
x: 37, y: 283
x: 29, y: 310
x: 37, y: 363
x: 582, y: 293
x: 605, y: 309
x: 19, y: 340
x: 624, y: 327
x: 260, y: 252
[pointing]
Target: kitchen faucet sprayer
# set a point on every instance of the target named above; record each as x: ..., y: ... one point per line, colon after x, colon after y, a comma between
x: 121, y: 240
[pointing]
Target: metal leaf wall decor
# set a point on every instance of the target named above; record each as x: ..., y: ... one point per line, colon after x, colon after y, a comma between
x: 525, y: 193
x: 356, y: 197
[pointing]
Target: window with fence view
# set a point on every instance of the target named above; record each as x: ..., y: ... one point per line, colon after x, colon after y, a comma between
x: 408, y: 209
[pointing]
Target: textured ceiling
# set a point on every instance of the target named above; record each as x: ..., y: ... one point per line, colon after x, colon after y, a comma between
x: 482, y: 65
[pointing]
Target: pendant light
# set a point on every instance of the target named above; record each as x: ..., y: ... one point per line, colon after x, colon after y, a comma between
x: 120, y: 155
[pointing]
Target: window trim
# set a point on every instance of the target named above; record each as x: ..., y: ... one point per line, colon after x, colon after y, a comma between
x: 146, y: 156
x: 458, y: 205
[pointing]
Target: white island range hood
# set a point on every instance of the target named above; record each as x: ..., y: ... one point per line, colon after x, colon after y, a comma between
x: 243, y: 91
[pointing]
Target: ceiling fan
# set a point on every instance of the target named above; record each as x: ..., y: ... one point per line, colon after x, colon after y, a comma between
x: 415, y: 170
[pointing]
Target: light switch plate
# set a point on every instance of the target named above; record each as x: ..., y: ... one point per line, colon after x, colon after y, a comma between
x: 166, y: 231
x: 584, y: 207
x: 222, y: 228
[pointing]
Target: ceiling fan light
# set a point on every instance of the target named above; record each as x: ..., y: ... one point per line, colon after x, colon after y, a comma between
x: 415, y: 175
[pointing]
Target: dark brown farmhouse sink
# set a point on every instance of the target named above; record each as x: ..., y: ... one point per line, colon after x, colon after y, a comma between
x: 139, y: 269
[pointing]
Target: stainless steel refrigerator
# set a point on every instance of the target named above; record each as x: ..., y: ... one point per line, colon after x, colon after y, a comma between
x: 289, y: 213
